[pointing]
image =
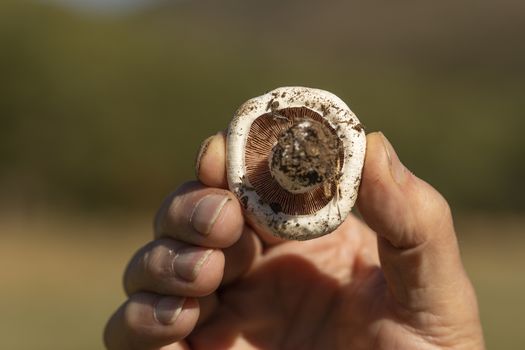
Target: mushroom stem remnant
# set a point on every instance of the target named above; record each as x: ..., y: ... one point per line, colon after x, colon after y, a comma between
x: 305, y: 155
x: 294, y: 159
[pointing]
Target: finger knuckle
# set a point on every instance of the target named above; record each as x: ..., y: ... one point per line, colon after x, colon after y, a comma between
x: 157, y: 262
x: 168, y: 216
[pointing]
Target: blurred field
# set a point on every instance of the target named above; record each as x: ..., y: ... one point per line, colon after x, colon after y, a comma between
x: 61, y: 277
x: 492, y: 249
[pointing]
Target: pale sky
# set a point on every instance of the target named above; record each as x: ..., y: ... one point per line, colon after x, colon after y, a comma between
x: 104, y: 5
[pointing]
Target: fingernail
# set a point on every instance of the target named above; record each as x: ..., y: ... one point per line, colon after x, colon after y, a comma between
x: 189, y: 261
x: 168, y: 309
x: 202, y: 151
x: 206, y: 212
x: 397, y: 169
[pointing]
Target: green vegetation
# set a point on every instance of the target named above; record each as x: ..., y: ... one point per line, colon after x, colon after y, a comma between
x: 107, y: 112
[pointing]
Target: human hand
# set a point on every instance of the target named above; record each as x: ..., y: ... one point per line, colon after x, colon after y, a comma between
x: 209, y: 281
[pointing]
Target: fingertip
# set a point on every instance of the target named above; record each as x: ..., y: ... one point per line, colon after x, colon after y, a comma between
x: 209, y: 277
x: 148, y: 320
x: 375, y: 181
x: 218, y: 220
x: 383, y: 199
x: 229, y: 223
x: 170, y: 267
x: 402, y: 208
x: 379, y: 158
x: 210, y: 165
x: 199, y: 215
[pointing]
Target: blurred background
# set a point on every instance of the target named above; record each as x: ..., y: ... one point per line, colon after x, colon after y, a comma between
x: 103, y: 105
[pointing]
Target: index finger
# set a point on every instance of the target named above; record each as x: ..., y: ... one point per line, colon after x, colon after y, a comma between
x: 210, y: 169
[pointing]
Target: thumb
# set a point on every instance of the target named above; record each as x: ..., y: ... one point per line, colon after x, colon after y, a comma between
x: 417, y: 244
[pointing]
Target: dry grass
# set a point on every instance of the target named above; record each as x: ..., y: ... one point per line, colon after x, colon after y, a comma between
x: 61, y: 277
x: 493, y: 253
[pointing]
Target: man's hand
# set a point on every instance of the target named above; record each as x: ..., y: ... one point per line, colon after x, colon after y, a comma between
x: 209, y: 281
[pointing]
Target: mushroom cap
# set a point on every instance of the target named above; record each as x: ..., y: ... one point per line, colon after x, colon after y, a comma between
x: 288, y: 214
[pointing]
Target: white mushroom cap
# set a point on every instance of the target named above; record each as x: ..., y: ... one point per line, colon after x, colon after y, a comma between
x: 300, y: 220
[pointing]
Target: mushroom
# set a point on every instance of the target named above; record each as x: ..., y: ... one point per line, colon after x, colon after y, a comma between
x: 294, y: 160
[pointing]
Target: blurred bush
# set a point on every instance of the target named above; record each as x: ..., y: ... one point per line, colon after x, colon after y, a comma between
x: 106, y: 112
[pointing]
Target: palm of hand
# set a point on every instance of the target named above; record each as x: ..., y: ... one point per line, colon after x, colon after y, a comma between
x: 298, y: 295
